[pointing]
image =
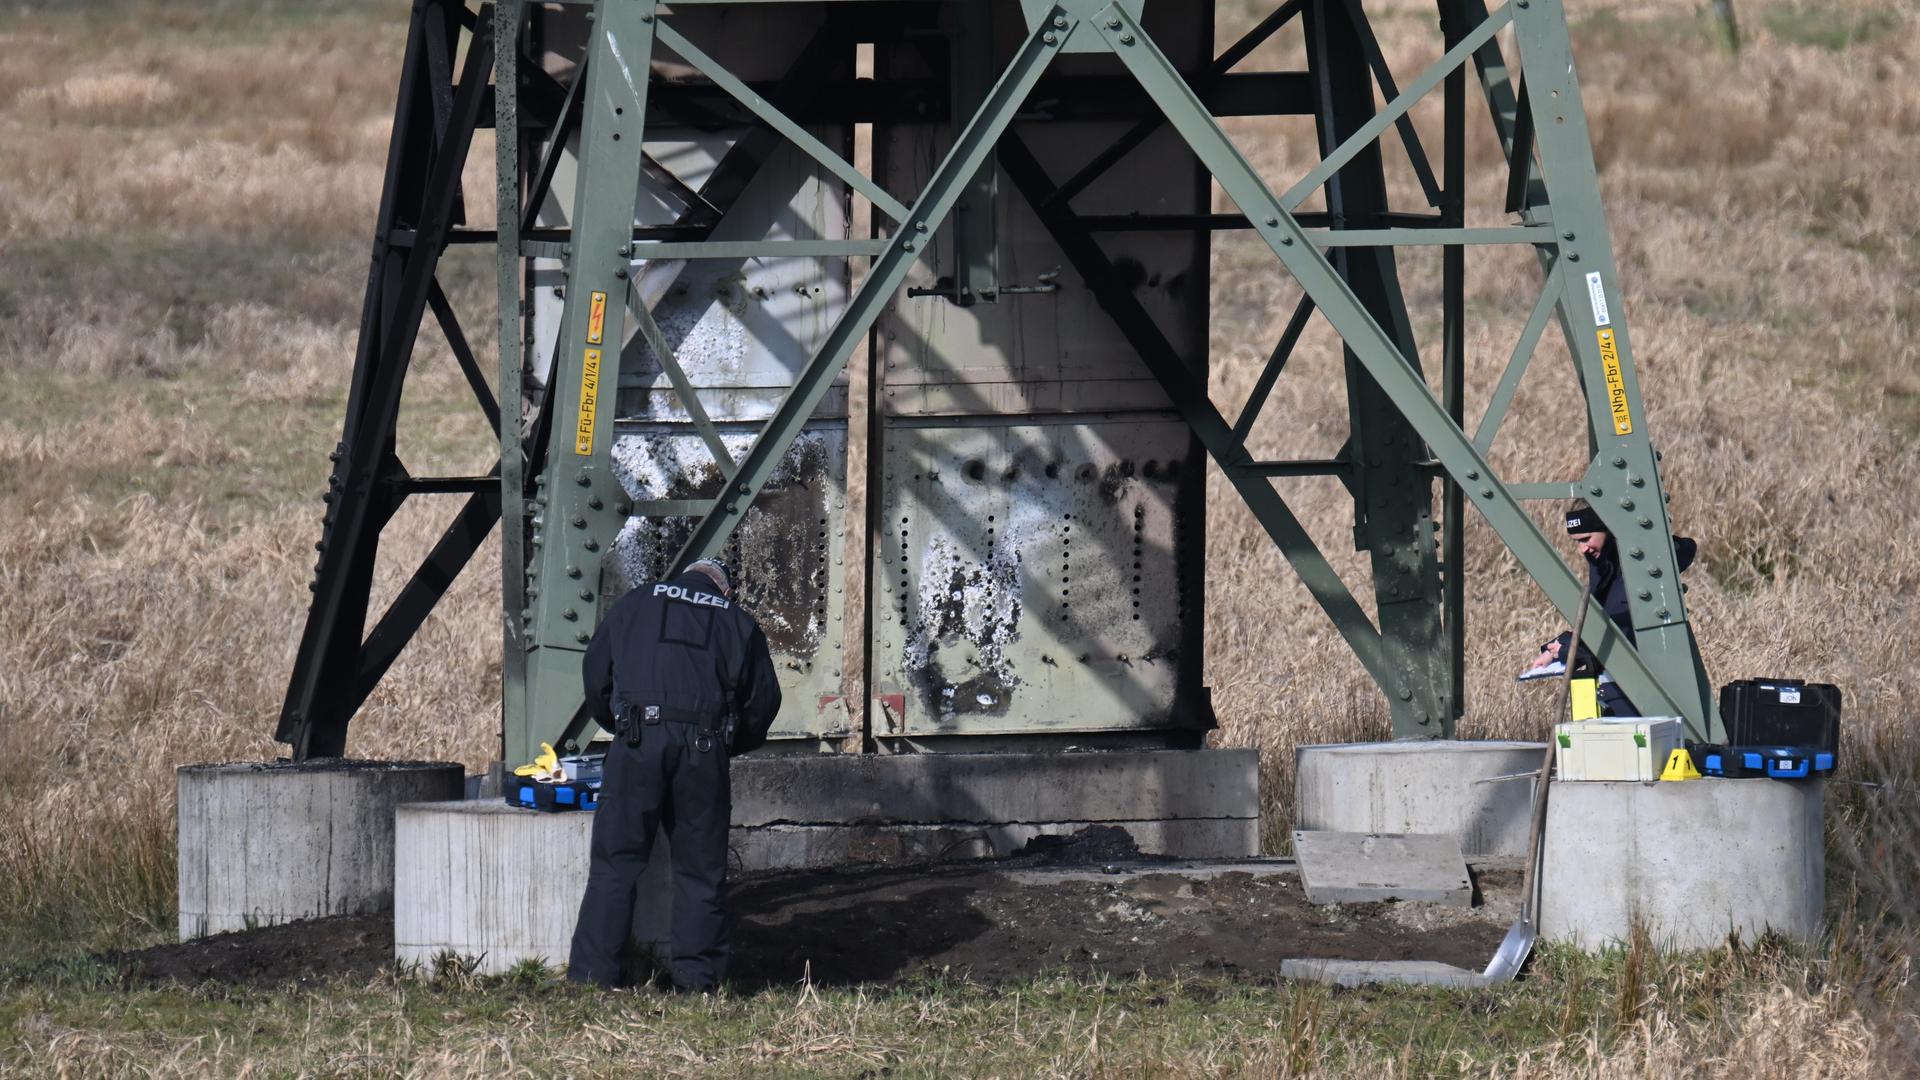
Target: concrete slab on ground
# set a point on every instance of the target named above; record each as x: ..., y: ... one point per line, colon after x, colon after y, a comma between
x: 1348, y: 868
x: 1351, y: 973
x: 1460, y: 787
x: 1694, y: 862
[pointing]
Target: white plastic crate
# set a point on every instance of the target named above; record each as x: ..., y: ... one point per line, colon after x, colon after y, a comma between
x: 1624, y: 748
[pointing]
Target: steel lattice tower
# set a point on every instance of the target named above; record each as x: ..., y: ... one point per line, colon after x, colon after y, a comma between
x: 682, y: 290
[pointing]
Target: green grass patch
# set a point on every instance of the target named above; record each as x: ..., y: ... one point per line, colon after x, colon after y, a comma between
x: 934, y: 1025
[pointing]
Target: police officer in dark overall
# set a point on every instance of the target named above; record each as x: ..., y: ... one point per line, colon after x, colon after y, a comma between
x: 685, y: 680
x: 1609, y: 587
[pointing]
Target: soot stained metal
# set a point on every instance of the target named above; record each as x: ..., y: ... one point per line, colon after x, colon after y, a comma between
x: 682, y: 291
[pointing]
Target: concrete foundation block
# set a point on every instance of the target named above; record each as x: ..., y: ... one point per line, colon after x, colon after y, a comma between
x: 1358, y: 868
x: 1094, y: 785
x: 1694, y: 861
x: 822, y: 810
x: 792, y: 847
x: 1420, y: 786
x: 272, y: 842
x: 487, y: 882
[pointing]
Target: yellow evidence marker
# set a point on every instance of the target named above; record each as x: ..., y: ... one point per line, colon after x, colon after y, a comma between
x: 1680, y: 767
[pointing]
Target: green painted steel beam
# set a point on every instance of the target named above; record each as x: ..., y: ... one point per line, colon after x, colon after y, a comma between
x: 1370, y: 132
x: 1561, y: 492
x: 1282, y: 352
x: 508, y: 16
x: 1392, y: 496
x: 1659, y: 686
x: 577, y: 507
x: 682, y: 388
x: 788, y: 128
x: 1623, y: 483
x: 1512, y: 234
x: 971, y: 149
x: 758, y: 249
x: 1518, y: 363
x: 976, y: 244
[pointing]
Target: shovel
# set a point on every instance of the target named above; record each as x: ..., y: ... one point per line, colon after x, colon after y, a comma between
x: 1518, y: 944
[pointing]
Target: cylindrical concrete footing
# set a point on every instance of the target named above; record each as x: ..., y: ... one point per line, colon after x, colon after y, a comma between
x: 1420, y: 786
x: 271, y: 842
x: 484, y: 881
x: 1694, y: 862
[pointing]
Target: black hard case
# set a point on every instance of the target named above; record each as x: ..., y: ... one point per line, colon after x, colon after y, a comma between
x: 1763, y: 712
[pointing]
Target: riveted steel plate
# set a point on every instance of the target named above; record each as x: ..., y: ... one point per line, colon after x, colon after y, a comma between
x: 1038, y: 578
x: 787, y: 555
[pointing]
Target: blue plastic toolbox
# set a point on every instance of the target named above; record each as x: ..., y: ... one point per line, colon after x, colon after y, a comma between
x: 531, y: 794
x: 1778, y: 762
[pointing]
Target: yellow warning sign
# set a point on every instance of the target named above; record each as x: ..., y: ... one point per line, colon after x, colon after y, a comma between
x: 589, y: 402
x: 1616, y: 384
x: 597, y: 319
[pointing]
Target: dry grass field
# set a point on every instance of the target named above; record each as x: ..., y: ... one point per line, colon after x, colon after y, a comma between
x: 186, y: 190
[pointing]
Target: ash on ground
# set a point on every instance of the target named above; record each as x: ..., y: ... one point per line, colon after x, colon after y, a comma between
x: 988, y: 922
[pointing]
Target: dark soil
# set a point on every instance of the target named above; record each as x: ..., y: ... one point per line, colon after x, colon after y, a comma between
x: 841, y: 927
x: 993, y: 922
x: 299, y: 953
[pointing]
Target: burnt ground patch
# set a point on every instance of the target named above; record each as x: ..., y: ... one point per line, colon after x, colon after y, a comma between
x: 298, y: 953
x: 988, y: 922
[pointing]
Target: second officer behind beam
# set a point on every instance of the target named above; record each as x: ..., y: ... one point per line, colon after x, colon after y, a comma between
x: 685, y: 679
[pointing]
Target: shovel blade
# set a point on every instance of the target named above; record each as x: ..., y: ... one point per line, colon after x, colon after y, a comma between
x: 1512, y: 952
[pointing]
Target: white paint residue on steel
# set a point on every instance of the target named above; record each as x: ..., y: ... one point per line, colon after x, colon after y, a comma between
x: 626, y: 74
x: 988, y: 601
x: 655, y: 465
x: 652, y: 465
